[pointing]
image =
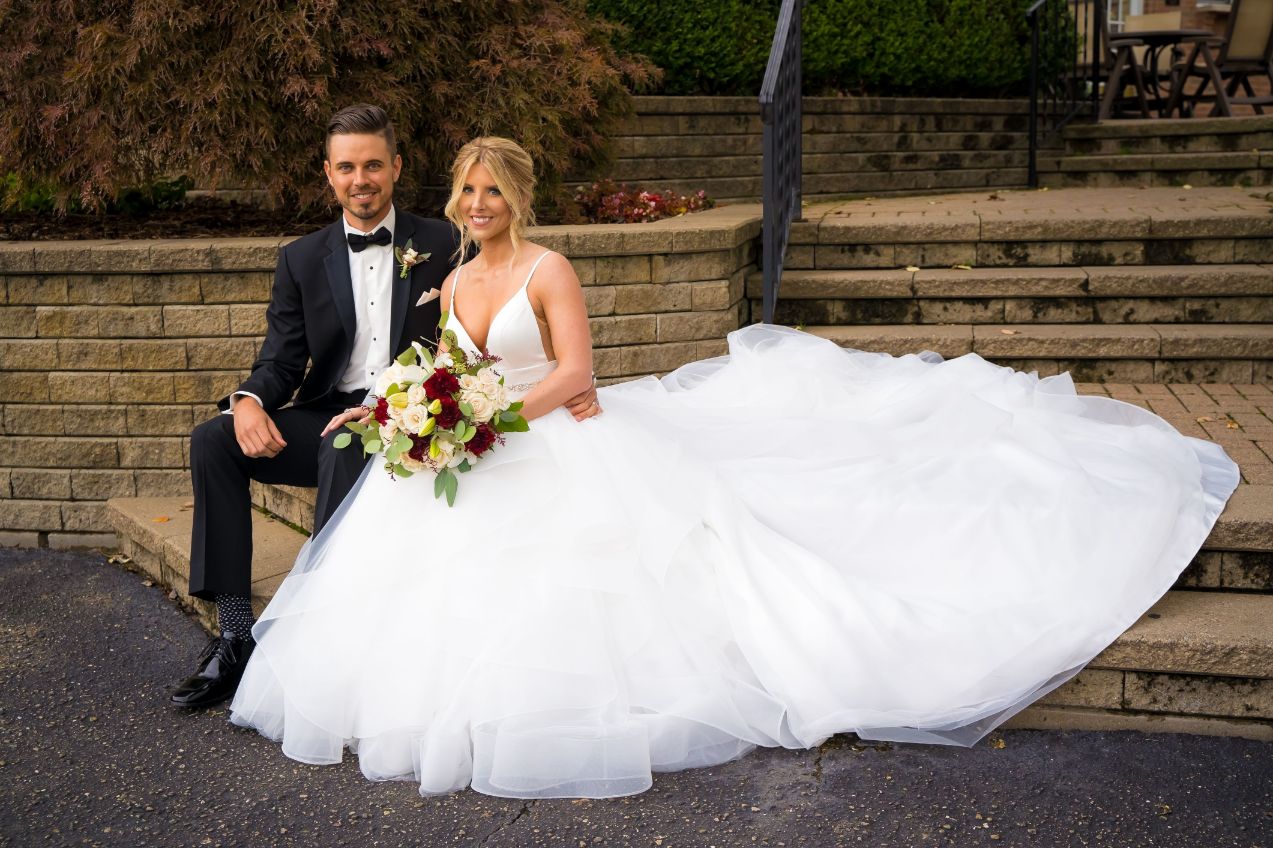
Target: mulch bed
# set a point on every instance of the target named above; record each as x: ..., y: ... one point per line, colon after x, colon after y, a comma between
x: 198, y: 218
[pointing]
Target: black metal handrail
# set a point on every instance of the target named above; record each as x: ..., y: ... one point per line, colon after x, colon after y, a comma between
x: 1067, y: 44
x: 780, y: 113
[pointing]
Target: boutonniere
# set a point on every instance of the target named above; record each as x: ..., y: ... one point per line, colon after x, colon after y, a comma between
x: 409, y: 258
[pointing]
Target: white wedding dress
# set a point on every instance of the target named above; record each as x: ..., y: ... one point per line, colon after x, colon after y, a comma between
x: 765, y: 548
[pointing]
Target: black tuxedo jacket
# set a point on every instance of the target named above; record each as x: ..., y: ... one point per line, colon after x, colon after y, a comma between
x: 310, y: 319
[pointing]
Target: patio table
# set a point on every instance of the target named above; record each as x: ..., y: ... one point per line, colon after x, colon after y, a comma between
x: 1154, y: 41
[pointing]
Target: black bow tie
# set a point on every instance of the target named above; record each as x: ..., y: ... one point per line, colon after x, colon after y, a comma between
x: 359, y: 243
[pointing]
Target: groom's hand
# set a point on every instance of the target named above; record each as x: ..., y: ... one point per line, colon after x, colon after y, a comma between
x: 254, y: 429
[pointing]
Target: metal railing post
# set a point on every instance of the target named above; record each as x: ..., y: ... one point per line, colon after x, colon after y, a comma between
x: 781, y: 115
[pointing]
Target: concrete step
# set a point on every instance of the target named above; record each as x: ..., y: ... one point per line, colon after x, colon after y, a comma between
x: 1095, y: 294
x: 155, y: 534
x: 1135, y: 353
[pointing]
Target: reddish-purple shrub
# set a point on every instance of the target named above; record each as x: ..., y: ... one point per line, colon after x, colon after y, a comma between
x: 608, y: 202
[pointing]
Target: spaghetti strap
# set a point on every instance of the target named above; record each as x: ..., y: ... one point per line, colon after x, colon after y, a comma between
x: 454, y: 285
x: 528, y: 276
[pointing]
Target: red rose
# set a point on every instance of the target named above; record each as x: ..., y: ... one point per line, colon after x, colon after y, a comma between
x: 381, y: 413
x: 484, y: 440
x: 419, y: 447
x: 450, y: 414
x: 441, y: 385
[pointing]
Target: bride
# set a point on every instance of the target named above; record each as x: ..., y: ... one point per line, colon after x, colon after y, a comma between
x: 765, y: 548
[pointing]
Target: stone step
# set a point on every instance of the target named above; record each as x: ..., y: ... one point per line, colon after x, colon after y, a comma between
x: 155, y: 534
x: 1205, y: 659
x: 1095, y: 294
x: 1134, y: 353
x: 820, y: 169
x: 291, y: 504
x: 658, y: 146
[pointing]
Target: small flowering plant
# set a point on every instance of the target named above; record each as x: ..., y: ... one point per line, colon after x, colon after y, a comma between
x: 408, y: 258
x: 608, y: 202
x: 438, y: 413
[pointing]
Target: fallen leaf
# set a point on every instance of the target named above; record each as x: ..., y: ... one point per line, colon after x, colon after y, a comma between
x: 1010, y: 332
x: 1044, y: 188
x: 1204, y: 419
x: 148, y: 583
x: 1232, y: 425
x: 1187, y: 187
x: 962, y: 267
x: 119, y: 559
x: 912, y: 268
x: 161, y: 519
x: 998, y: 744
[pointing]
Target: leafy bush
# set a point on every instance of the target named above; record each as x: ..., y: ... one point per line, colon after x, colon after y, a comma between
x: 914, y: 47
x: 103, y: 94
x: 608, y: 202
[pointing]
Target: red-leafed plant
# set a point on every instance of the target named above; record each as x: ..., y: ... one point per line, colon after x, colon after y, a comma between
x: 608, y: 202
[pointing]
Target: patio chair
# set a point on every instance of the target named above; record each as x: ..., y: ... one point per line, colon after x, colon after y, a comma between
x: 1246, y: 51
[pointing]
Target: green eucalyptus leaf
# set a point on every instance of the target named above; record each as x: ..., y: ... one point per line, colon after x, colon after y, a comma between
x: 439, y: 483
x: 466, y: 408
x: 452, y: 486
x: 464, y: 465
x: 373, y: 446
x: 342, y: 440
x: 445, y: 316
x: 407, y: 357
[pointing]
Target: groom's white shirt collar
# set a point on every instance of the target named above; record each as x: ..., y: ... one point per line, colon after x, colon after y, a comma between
x: 390, y: 220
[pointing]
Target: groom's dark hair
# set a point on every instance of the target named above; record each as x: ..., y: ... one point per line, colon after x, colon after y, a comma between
x: 361, y: 118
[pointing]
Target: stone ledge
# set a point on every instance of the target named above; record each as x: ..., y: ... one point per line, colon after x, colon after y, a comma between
x: 1186, y: 126
x: 1045, y: 717
x: 706, y: 105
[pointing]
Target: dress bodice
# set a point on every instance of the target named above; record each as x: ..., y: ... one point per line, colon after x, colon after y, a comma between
x: 513, y: 336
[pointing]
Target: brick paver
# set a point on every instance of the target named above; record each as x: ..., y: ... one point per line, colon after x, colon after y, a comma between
x: 1238, y: 417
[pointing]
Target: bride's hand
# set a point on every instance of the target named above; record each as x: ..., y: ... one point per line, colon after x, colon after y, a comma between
x: 584, y: 405
x: 361, y: 414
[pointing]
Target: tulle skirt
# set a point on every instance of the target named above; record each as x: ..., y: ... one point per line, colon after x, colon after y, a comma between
x: 765, y: 548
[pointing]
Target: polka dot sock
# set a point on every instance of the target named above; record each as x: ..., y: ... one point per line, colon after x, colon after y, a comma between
x: 234, y: 615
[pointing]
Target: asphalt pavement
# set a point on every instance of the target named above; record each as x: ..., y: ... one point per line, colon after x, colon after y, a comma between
x: 92, y: 755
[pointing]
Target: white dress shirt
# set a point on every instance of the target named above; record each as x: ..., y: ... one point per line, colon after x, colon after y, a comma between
x: 371, y: 272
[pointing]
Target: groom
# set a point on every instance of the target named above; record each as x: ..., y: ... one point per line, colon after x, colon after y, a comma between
x: 343, y: 305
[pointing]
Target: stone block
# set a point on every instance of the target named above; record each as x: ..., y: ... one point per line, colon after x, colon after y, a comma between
x: 63, y: 256
x: 81, y: 420
x: 247, y: 319
x: 1198, y: 695
x: 1200, y: 310
x: 41, y: 483
x: 17, y: 257
x: 617, y: 239
x: 845, y: 256
x: 948, y: 340
x: 141, y: 388
x: 1180, y: 280
x: 181, y: 254
x: 891, y: 230
x: 136, y: 322
x: 151, y: 453
x: 1203, y: 371
x: 136, y: 355
x: 1253, y: 250
x: 1251, y: 570
x: 1232, y: 341
x: 245, y: 254
x: 599, y: 300
x: 83, y: 541
x: 715, y: 294
x: 68, y: 321
x: 24, y: 386
x: 664, y: 297
x: 166, y: 288
x: 85, y: 517
x: 1205, y: 572
x: 242, y: 287
x: 159, y: 484
x: 1018, y: 253
x: 42, y: 290
x: 102, y: 485
x: 1048, y: 310
x: 1189, y: 251
x: 33, y: 420
x: 19, y: 539
x: 120, y: 257
x: 954, y: 311
x: 688, y: 326
x: 606, y: 362
x: 100, y: 289
x: 1092, y: 687
x: 87, y: 355
x: 79, y: 387
x: 623, y: 330
x: 936, y: 254
x: 18, y: 322
x: 196, y: 321
x: 27, y: 355
x: 655, y: 359
x: 1107, y: 370
x: 801, y: 257
x: 207, y: 387
x: 159, y: 420
x: 585, y: 269
x: 1139, y: 310
x: 40, y: 452
x: 30, y: 515
x: 221, y: 353
x: 1102, y: 253
x: 1070, y: 341
x: 620, y: 270
x: 690, y: 267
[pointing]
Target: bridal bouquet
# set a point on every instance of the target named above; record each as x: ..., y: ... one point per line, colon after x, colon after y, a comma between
x: 437, y: 413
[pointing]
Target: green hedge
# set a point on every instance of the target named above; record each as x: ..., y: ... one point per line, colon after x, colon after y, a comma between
x: 903, y: 47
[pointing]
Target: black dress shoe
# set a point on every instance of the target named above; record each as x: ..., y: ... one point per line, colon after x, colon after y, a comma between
x: 220, y: 666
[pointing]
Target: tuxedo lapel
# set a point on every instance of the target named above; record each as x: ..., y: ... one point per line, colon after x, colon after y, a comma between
x: 337, y: 267
x: 404, y: 230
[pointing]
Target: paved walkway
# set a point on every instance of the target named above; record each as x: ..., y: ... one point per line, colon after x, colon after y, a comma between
x: 90, y: 755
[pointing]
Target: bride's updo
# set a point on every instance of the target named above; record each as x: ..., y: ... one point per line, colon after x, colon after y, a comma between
x: 514, y: 174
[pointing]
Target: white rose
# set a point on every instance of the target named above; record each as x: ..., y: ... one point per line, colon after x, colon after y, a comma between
x: 469, y: 383
x: 489, y: 379
x: 389, y: 376
x: 412, y: 465
x: 443, y: 360
x: 415, y: 394
x: 414, y: 417
x: 387, y: 432
x: 446, y: 451
x: 483, y: 406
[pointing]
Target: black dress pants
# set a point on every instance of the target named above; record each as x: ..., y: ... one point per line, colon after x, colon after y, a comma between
x: 221, y: 542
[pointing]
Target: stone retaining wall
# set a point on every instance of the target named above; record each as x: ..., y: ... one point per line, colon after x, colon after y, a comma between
x: 111, y: 352
x: 852, y: 145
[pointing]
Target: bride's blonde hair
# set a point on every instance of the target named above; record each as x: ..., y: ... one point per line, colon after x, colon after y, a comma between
x: 514, y: 173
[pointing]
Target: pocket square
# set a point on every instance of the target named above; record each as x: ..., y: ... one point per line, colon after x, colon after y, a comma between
x: 431, y: 294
